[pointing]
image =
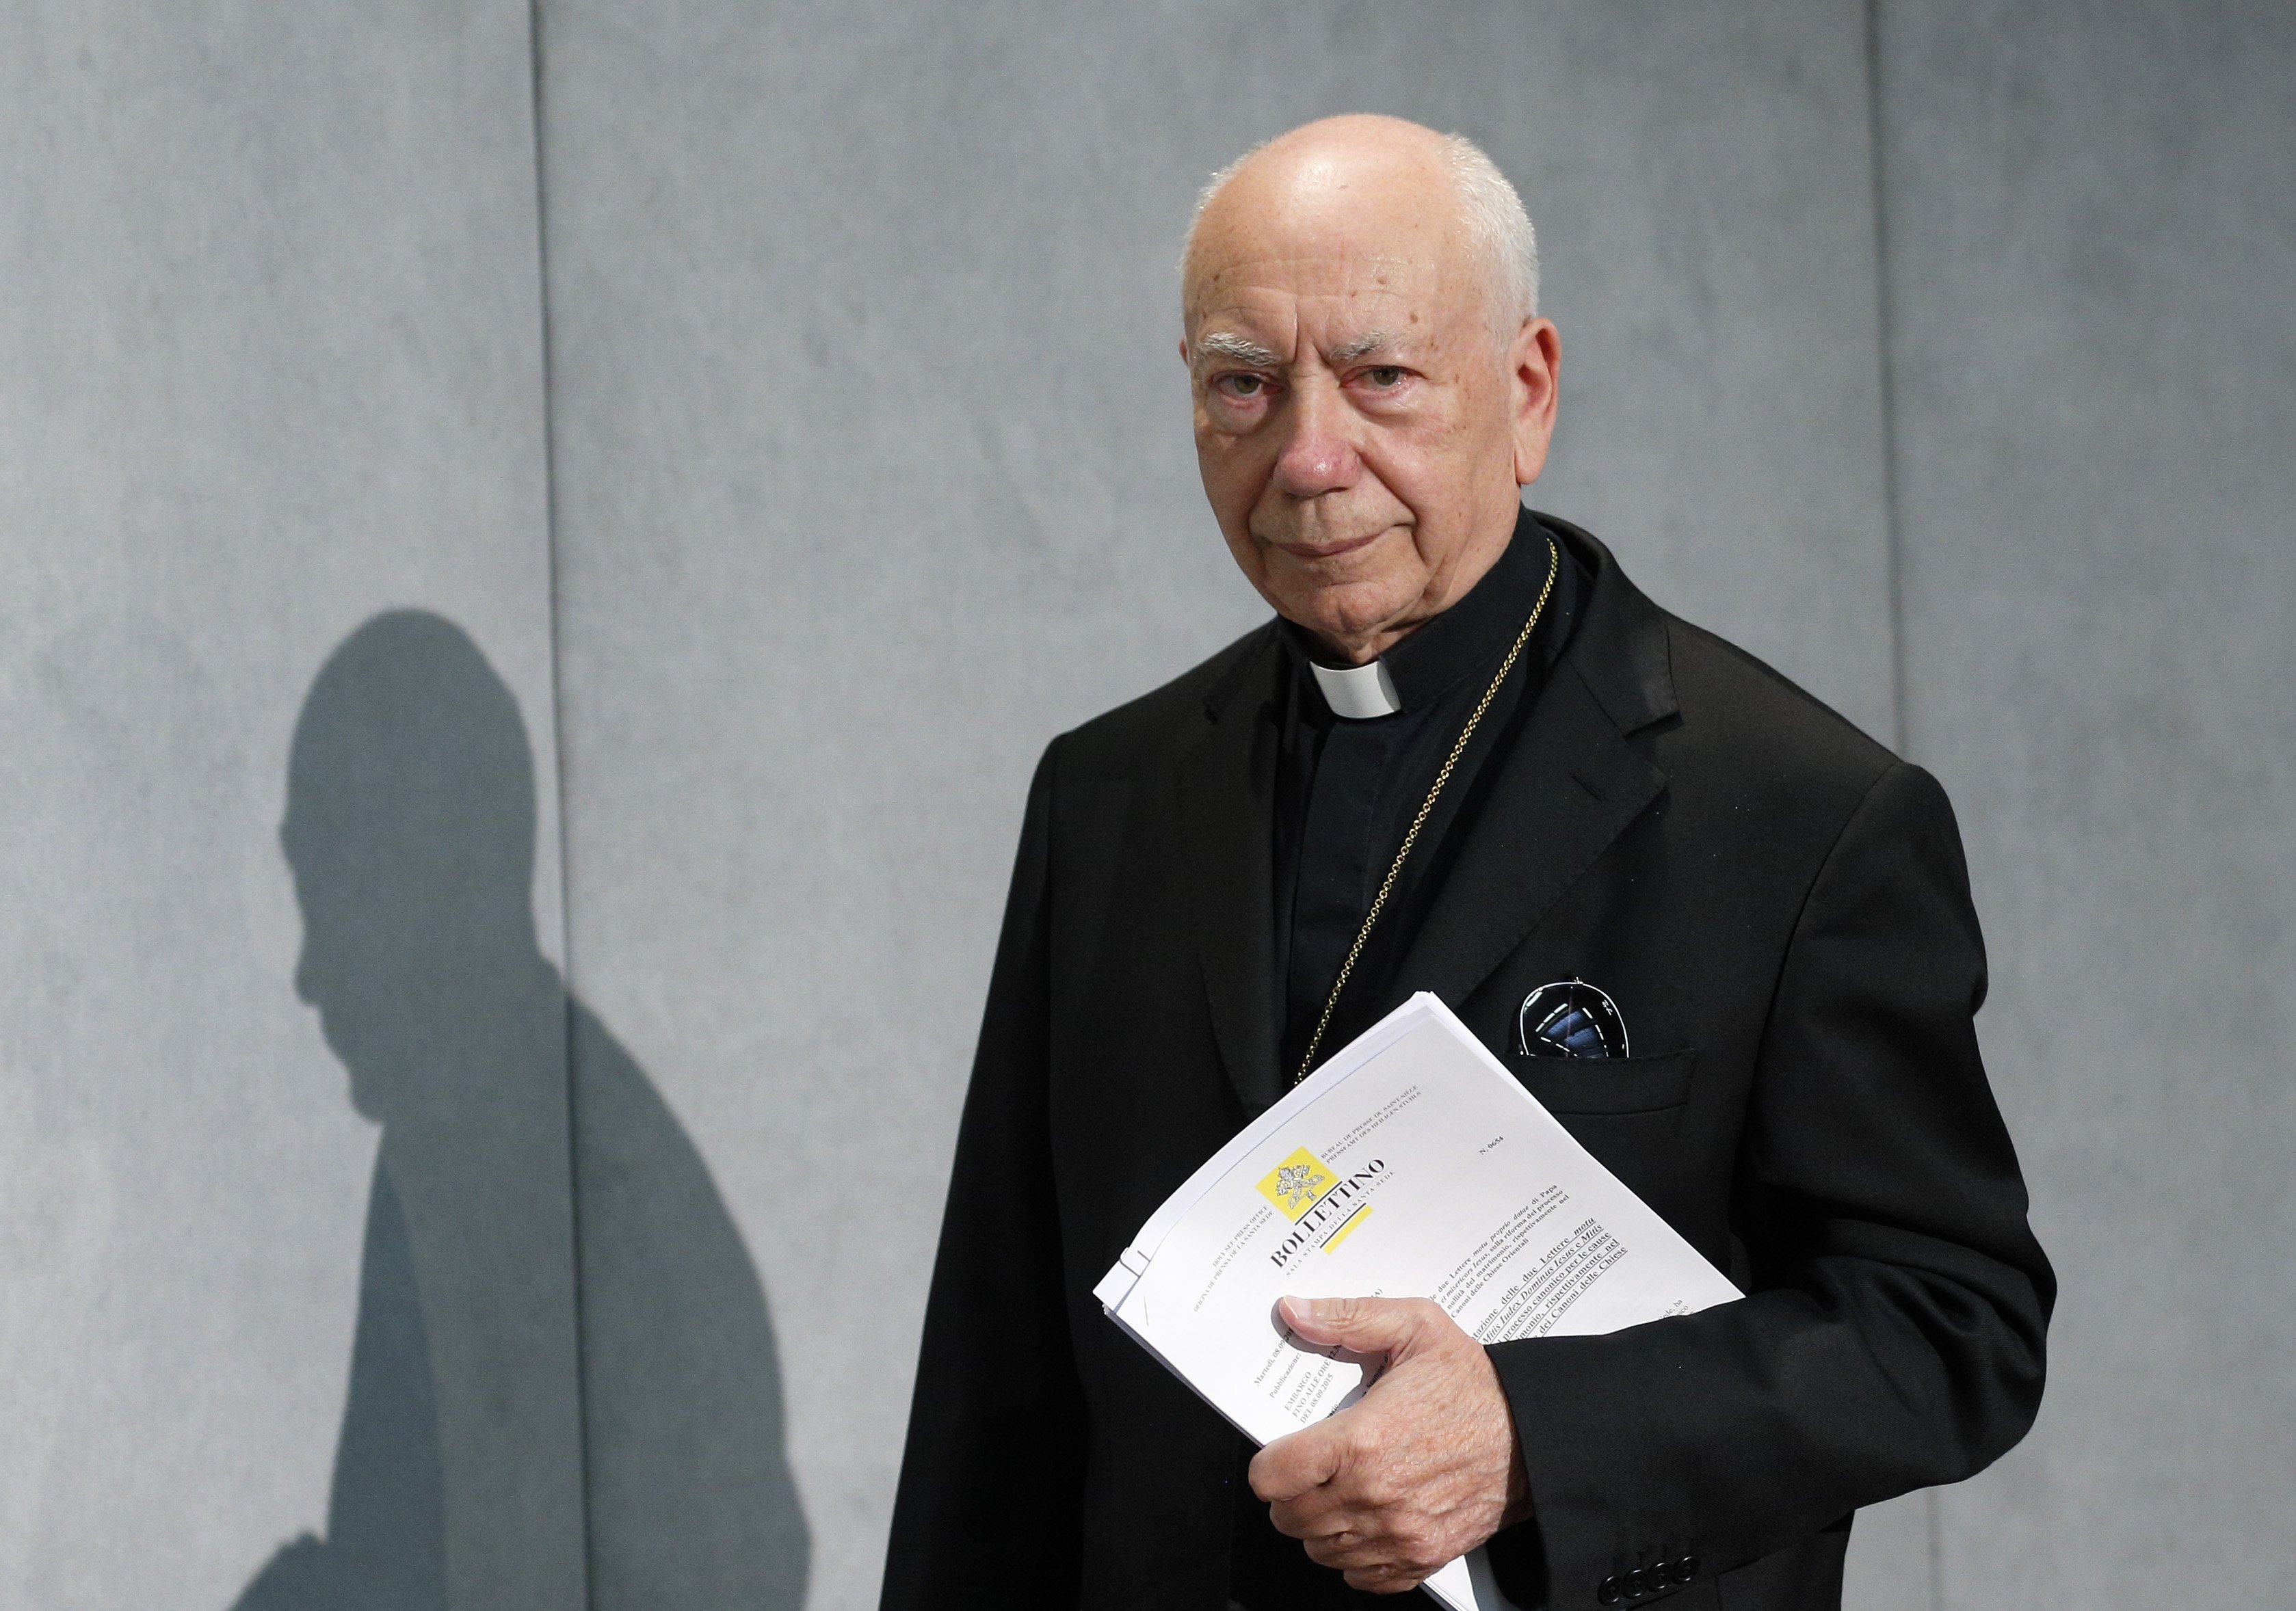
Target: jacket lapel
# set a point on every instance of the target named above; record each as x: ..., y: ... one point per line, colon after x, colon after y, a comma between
x: 1228, y: 802
x: 1569, y: 786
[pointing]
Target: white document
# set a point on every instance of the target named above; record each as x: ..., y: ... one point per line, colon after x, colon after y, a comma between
x: 1411, y: 1165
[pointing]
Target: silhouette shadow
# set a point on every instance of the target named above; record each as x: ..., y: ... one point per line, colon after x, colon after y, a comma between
x: 465, y: 1466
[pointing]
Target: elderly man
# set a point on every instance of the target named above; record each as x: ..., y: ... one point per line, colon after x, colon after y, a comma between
x: 1469, y: 757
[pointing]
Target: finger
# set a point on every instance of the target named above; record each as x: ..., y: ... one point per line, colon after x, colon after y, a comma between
x: 1318, y: 1513
x: 1361, y: 1325
x: 1384, y: 1579
x: 1369, y: 1557
x: 1348, y: 1551
x: 1291, y: 1466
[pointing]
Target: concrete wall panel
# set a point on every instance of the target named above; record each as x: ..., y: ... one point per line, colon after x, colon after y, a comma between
x: 270, y: 366
x: 2092, y: 217
x: 873, y: 472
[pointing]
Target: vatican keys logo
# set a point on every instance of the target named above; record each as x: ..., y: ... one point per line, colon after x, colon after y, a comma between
x: 1325, y: 1206
x: 1299, y: 1183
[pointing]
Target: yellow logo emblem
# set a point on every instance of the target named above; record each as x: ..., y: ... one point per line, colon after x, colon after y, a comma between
x: 1299, y: 1183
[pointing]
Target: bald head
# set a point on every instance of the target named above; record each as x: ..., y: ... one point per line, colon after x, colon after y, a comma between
x: 1372, y: 385
x: 1336, y: 156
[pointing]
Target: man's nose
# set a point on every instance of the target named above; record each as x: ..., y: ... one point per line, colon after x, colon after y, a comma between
x: 1318, y: 455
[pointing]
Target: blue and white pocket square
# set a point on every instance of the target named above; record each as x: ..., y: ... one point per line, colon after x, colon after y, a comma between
x: 1570, y: 1018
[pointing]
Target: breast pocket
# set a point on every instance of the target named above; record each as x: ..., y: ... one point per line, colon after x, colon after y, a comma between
x: 1634, y: 1084
x: 1628, y: 1112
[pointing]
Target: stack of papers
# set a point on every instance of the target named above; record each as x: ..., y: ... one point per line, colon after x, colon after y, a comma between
x: 1411, y: 1165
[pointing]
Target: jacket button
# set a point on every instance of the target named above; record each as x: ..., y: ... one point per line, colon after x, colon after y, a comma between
x: 1686, y: 1569
x: 1607, y: 1592
x: 1661, y: 1575
x: 1637, y: 1583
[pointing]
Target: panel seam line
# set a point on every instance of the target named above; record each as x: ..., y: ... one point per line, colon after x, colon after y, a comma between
x: 1885, y: 344
x: 558, y: 767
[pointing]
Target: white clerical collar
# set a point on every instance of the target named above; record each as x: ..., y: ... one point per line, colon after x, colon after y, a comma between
x: 1357, y: 693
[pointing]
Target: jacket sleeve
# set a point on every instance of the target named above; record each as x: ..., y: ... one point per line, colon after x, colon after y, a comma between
x: 988, y: 1510
x: 1891, y: 1336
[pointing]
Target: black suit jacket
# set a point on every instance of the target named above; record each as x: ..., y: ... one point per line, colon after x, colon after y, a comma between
x: 1782, y: 910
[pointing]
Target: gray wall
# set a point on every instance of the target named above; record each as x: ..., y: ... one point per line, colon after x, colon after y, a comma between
x: 858, y: 466
x: 2092, y: 247
x: 271, y: 364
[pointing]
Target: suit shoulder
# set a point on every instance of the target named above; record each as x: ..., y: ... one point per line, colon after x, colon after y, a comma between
x: 1740, y: 712
x: 1148, y: 725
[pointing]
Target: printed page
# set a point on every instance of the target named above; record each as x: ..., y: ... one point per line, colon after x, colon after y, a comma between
x: 1412, y: 1165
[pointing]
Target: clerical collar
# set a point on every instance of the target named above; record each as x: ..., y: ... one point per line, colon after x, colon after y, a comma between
x: 1357, y: 693
x: 1464, y: 641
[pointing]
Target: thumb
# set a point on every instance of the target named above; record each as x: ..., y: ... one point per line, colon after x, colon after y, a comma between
x: 1361, y: 1325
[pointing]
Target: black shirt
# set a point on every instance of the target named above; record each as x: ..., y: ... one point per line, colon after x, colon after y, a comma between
x: 1346, y: 791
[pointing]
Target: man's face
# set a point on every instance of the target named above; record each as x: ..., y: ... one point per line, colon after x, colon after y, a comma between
x: 1362, y: 426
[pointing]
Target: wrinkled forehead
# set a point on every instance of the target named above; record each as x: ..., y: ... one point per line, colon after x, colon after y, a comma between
x: 1279, y: 306
x: 1334, y: 259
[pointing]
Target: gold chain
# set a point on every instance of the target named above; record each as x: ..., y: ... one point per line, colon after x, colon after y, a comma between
x: 1403, y: 852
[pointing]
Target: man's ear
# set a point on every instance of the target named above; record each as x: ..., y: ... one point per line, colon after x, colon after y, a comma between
x: 1535, y: 369
x: 1184, y: 351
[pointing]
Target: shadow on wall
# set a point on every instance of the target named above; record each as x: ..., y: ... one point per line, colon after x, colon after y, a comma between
x: 410, y: 832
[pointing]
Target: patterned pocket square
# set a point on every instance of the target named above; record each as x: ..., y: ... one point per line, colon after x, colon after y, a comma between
x: 1570, y: 1018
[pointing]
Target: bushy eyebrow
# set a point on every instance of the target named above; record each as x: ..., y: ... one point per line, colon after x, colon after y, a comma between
x: 1361, y: 347
x: 1239, y: 349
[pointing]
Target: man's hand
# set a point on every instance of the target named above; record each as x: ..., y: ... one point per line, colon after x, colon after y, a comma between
x: 1421, y: 1469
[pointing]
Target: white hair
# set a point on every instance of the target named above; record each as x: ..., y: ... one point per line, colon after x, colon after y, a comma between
x: 1497, y: 223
